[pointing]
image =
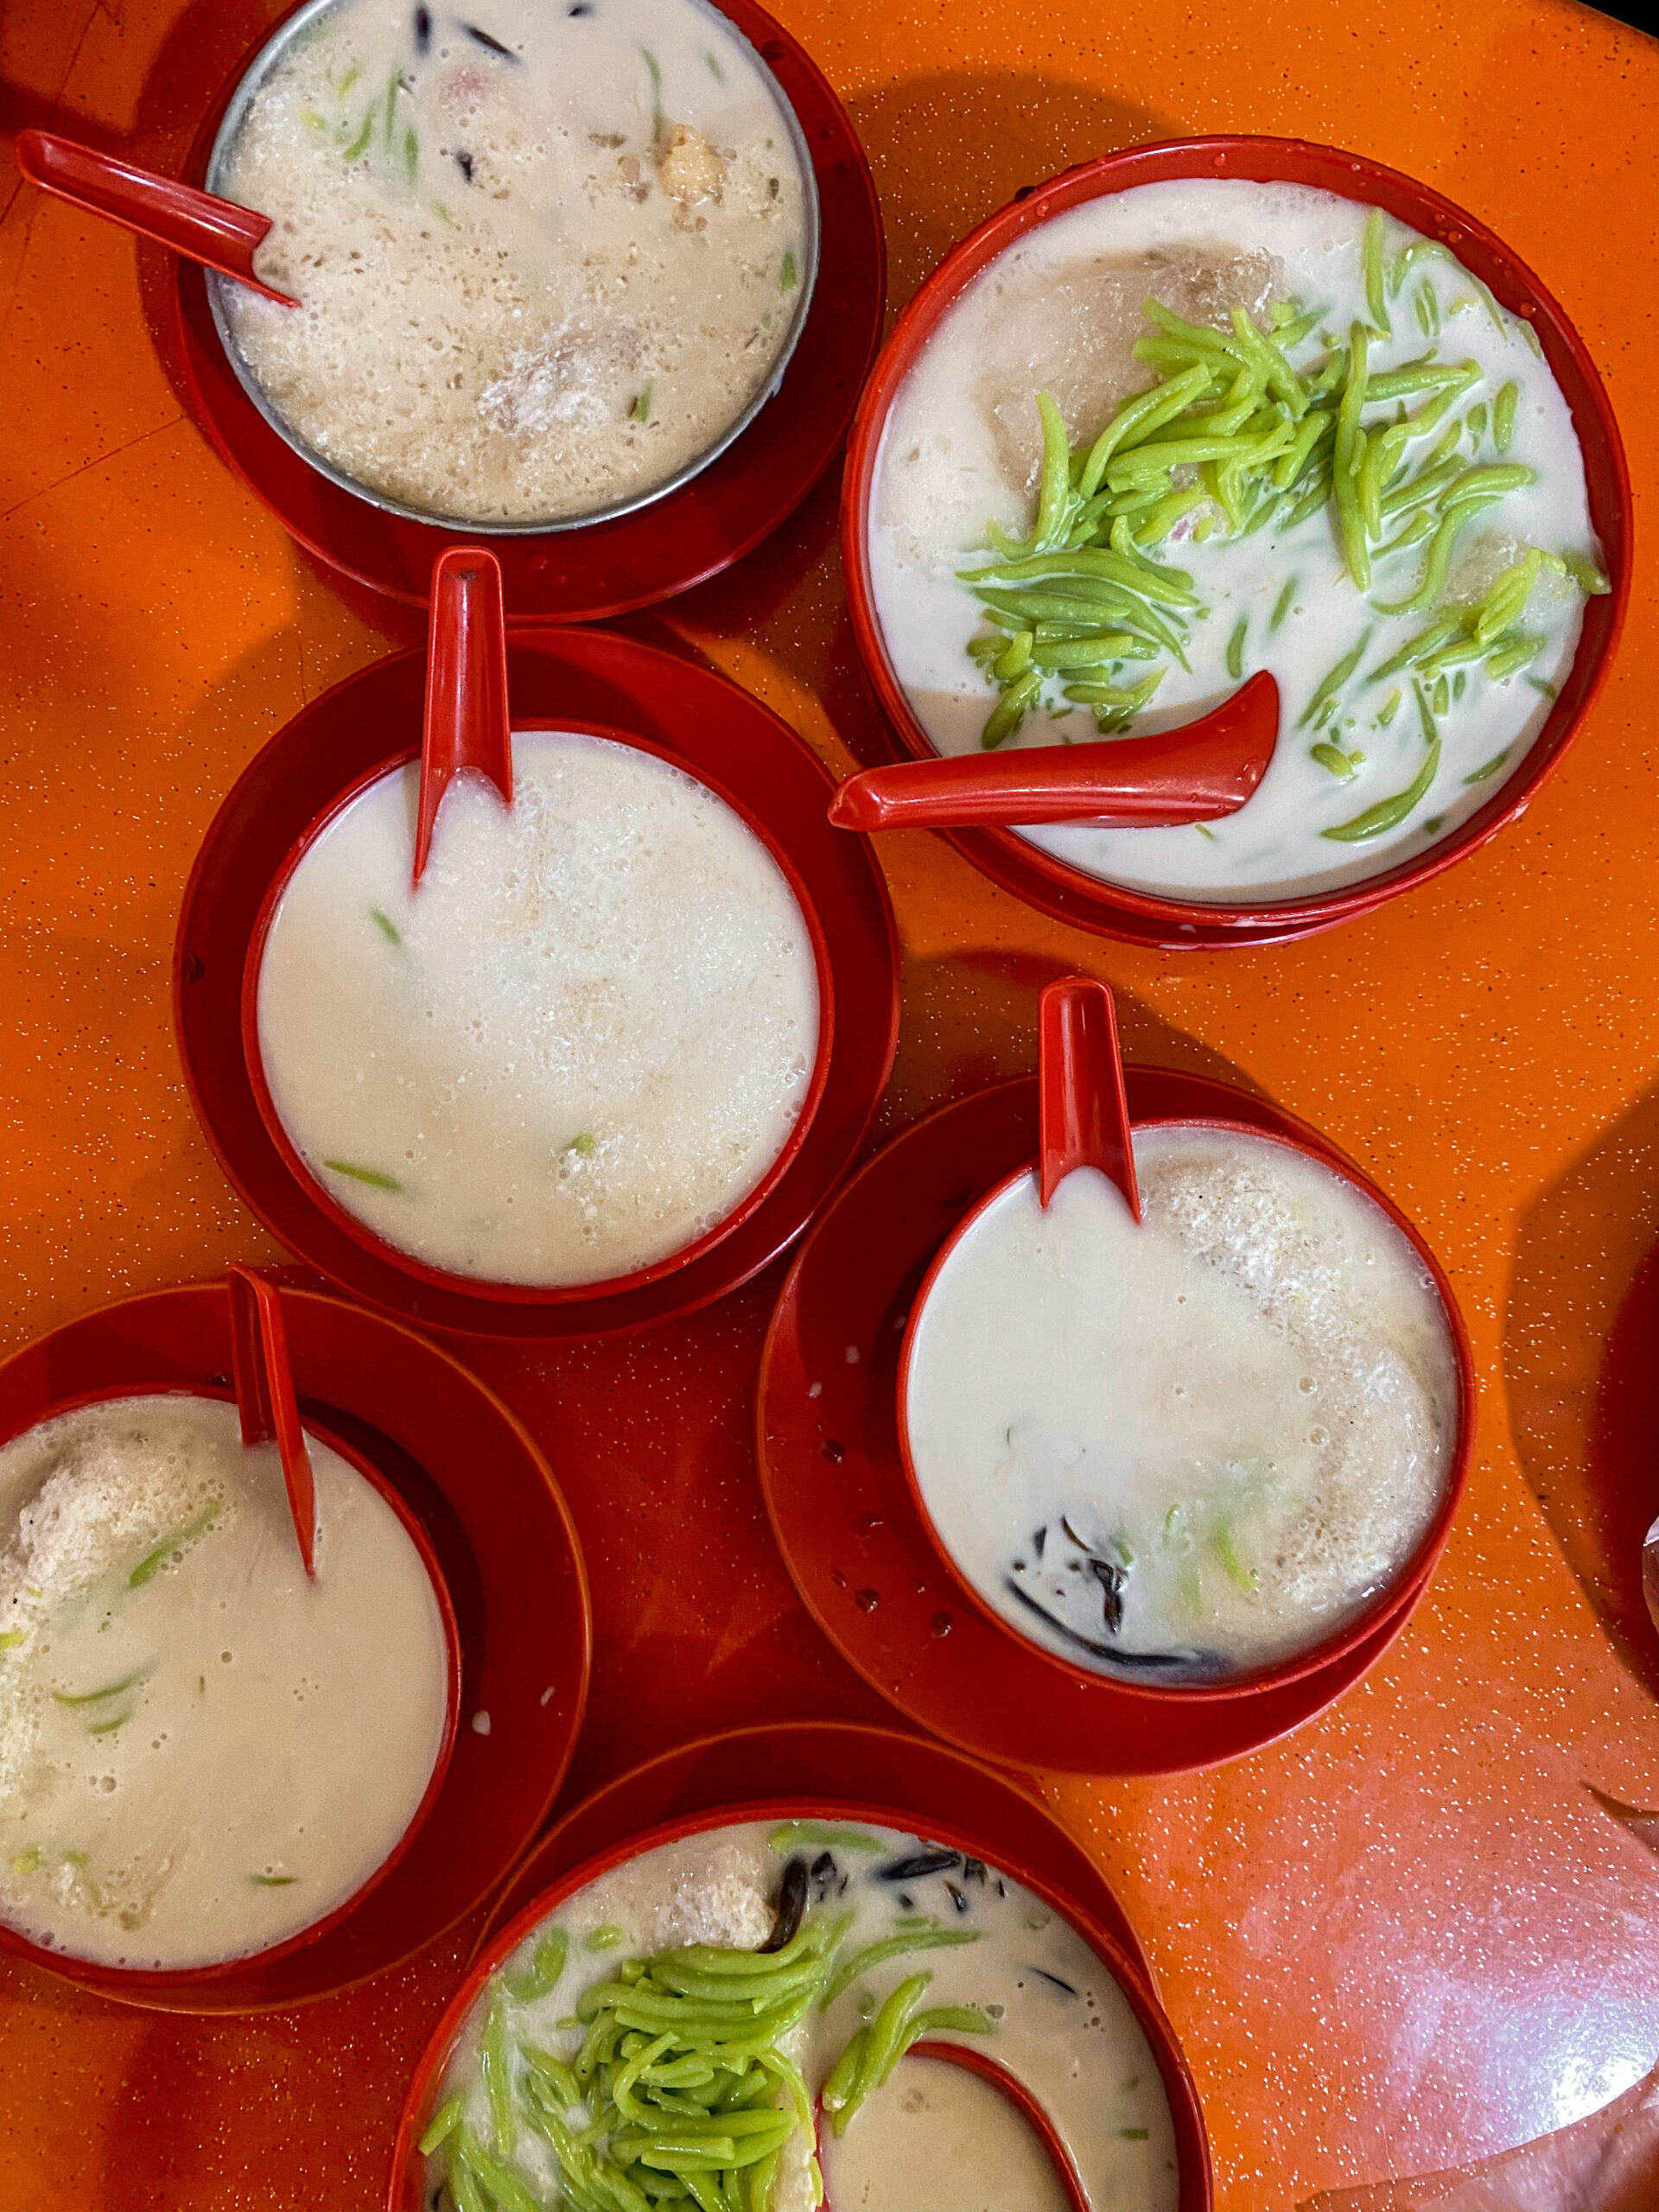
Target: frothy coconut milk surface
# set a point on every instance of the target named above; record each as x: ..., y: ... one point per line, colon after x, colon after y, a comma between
x: 201, y: 1752
x: 546, y: 256
x: 576, y: 1049
x: 1016, y: 1979
x: 1061, y: 311
x: 1192, y: 1447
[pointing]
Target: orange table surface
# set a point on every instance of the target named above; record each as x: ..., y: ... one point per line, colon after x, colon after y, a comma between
x: 1412, y: 1933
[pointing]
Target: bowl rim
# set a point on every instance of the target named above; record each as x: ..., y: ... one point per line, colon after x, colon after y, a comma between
x: 480, y: 1285
x: 1195, y: 2174
x: 1261, y: 158
x: 1391, y: 1606
x: 145, y: 1979
x: 252, y: 77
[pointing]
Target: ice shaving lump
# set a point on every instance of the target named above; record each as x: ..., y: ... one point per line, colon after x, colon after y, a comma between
x: 545, y: 256
x: 1277, y: 430
x: 201, y: 1752
x: 582, y: 2067
x: 574, y: 1051
x: 1191, y: 1448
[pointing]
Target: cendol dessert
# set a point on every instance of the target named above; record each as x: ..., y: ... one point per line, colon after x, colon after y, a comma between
x: 1192, y: 429
x: 202, y: 1751
x: 576, y: 1049
x: 1193, y: 1447
x: 546, y: 258
x: 724, y: 2021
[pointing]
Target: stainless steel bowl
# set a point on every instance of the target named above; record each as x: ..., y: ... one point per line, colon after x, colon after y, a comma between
x: 264, y: 61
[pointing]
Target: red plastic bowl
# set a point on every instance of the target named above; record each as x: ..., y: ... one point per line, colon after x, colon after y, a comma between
x: 604, y: 567
x: 1115, y: 910
x: 405, y: 2193
x: 177, y: 1985
x: 478, y: 1286
x: 1187, y: 1707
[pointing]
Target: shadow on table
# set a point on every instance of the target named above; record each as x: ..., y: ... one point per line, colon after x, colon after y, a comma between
x: 948, y: 150
x: 970, y: 1019
x: 1581, y: 1368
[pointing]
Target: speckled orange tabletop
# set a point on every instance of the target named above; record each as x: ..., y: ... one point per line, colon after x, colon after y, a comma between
x: 1412, y: 1933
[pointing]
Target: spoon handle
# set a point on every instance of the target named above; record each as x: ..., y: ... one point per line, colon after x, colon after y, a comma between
x: 265, y: 1396
x: 1083, y: 1103
x: 1004, y: 2080
x: 214, y: 231
x: 467, y: 725
x: 1198, y: 773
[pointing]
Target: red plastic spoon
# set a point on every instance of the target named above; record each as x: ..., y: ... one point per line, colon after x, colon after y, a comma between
x: 973, y: 2061
x: 265, y: 1396
x: 1198, y: 773
x: 215, y: 231
x: 467, y: 725
x: 1083, y: 1105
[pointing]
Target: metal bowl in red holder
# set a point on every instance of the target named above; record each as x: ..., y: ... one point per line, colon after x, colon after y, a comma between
x: 406, y: 2191
x: 505, y: 1568
x: 535, y: 1293
x: 561, y: 678
x: 1117, y: 910
x: 670, y: 538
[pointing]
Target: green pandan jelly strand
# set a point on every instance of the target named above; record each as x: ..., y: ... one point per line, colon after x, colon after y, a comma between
x: 1333, y: 758
x: 1585, y: 573
x: 495, y: 2063
x: 1389, y: 813
x: 1312, y: 500
x: 1136, y: 419
x: 1419, y: 649
x: 1495, y: 482
x: 1092, y: 652
x: 1170, y: 587
x: 110, y: 1689
x: 373, y: 1176
x: 1430, y: 481
x: 1014, y: 658
x: 1487, y: 767
x: 1371, y: 264
x: 1236, y: 648
x: 1503, y: 408
x: 1333, y: 680
x: 1287, y: 469
x: 442, y: 2126
x: 153, y: 1562
x: 1282, y: 606
x: 1509, y: 660
x: 546, y: 1967
x: 852, y: 1969
x: 1010, y: 711
x: 1274, y: 371
x: 1400, y: 383
x: 1432, y: 579
x: 1351, y: 526
x: 1055, y: 492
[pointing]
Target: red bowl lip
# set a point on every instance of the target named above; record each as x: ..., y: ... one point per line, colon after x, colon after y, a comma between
x: 1192, y: 2147
x: 140, y: 1981
x: 1392, y: 1606
x: 476, y: 1286
x: 1354, y: 177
